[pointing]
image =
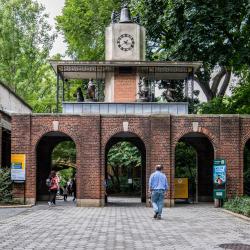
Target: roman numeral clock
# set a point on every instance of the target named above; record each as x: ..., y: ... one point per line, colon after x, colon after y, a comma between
x: 125, y: 42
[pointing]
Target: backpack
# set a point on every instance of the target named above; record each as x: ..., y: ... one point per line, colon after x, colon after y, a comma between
x: 48, y: 182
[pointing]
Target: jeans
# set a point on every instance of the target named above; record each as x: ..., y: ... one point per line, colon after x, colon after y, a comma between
x: 52, y: 196
x: 158, y: 200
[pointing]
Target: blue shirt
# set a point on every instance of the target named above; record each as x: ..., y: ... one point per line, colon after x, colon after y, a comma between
x: 158, y: 180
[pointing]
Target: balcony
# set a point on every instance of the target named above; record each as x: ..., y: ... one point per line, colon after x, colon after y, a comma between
x: 144, y: 108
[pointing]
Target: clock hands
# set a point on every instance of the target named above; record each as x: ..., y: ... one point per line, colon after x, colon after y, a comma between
x: 125, y: 42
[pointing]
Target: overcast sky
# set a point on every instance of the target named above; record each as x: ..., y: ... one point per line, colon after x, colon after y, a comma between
x: 54, y: 8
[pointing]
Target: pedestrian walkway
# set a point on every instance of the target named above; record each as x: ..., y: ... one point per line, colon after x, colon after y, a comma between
x: 125, y: 201
x: 117, y: 227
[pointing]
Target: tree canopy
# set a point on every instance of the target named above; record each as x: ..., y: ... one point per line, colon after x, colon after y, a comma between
x: 214, y: 32
x: 25, y: 42
x: 83, y: 25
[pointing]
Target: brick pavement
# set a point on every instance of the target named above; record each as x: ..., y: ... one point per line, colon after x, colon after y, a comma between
x: 121, y: 227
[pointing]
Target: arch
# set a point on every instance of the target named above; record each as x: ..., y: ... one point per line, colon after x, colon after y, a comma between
x: 205, y: 153
x: 118, y: 131
x: 48, y: 132
x: 202, y: 131
x: 246, y: 168
x: 184, y: 134
x: 122, y: 134
x: 135, y: 140
x: 43, y: 158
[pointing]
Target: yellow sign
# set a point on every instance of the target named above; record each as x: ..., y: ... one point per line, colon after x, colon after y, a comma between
x: 181, y: 188
x: 18, y: 167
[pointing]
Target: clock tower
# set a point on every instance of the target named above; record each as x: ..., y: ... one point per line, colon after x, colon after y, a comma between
x: 124, y: 42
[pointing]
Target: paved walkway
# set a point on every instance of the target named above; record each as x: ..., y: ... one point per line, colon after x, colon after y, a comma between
x: 120, y: 227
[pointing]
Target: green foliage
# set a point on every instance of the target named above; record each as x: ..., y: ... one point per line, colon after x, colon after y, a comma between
x: 240, y: 205
x: 66, y: 175
x: 83, y: 24
x: 123, y: 157
x: 124, y: 154
x: 238, y: 103
x: 64, y: 155
x: 216, y: 33
x: 218, y: 105
x: 185, y: 161
x: 5, y: 185
x: 25, y: 42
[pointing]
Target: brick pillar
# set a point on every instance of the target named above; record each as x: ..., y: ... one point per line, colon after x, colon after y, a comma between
x: 20, y: 144
x: 160, y: 147
x: 89, y: 163
x: 230, y: 150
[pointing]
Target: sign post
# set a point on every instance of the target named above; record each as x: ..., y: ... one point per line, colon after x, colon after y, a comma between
x: 219, y: 180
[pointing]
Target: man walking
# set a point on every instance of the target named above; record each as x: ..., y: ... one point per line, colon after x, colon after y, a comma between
x: 158, y: 185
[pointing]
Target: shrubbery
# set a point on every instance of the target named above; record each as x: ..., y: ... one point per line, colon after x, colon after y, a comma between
x: 5, y: 186
x: 240, y: 205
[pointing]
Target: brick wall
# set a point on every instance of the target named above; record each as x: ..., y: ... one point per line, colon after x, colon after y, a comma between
x: 159, y: 135
x: 125, y: 88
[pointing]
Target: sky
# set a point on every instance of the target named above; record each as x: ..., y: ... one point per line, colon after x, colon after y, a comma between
x: 54, y: 8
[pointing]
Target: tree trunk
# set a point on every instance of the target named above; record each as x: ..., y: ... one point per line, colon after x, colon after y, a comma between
x: 115, y: 171
x: 225, y: 83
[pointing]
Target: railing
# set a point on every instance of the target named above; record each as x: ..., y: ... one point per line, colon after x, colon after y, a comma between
x: 143, y: 108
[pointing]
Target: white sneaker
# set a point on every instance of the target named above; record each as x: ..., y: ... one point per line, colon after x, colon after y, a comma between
x: 49, y: 203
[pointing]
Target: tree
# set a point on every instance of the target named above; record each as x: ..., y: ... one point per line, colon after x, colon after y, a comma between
x: 64, y: 155
x: 238, y: 103
x: 83, y: 24
x: 215, y: 32
x: 25, y: 42
x: 123, y: 156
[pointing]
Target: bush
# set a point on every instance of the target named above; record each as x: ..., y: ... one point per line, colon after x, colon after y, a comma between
x: 5, y: 186
x: 240, y: 205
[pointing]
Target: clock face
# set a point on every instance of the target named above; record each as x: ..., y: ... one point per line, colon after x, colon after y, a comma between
x: 125, y: 42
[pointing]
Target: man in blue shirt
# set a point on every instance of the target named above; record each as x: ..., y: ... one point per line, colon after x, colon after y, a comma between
x: 158, y: 185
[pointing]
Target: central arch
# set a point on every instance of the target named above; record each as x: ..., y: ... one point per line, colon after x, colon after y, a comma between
x: 140, y: 174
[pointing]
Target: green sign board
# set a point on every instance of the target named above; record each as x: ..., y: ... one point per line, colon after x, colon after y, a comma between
x: 219, y: 178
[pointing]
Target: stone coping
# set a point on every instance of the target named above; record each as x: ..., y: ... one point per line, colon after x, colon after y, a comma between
x: 241, y: 216
x: 127, y: 115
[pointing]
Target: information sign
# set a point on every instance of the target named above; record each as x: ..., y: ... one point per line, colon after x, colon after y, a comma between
x: 219, y: 178
x: 18, y: 167
x: 181, y: 188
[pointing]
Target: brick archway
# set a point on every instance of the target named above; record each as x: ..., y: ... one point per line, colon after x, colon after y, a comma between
x: 246, y: 167
x: 43, y: 151
x: 204, y: 147
x: 136, y: 141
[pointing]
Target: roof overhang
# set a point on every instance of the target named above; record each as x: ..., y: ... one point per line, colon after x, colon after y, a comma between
x: 160, y: 70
